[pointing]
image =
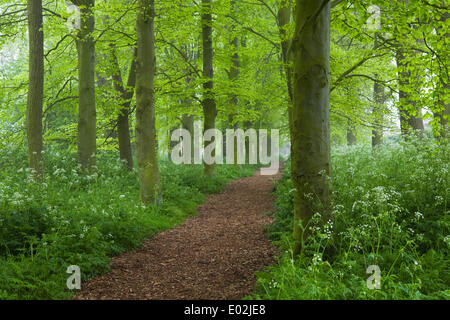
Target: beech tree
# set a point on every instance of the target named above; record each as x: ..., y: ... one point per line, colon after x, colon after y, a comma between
x: 146, y: 140
x: 35, y: 86
x: 87, y: 114
x: 379, y: 97
x: 379, y: 101
x: 208, y: 102
x: 126, y: 94
x: 310, y: 114
x: 233, y: 75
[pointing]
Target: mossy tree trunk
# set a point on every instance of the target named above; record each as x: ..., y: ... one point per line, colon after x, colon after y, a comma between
x: 146, y: 140
x: 35, y: 87
x: 87, y: 135
x: 209, y: 103
x: 311, y: 120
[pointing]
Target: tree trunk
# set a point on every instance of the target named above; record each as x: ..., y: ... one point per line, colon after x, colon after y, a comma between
x: 187, y: 122
x: 146, y: 143
x: 172, y: 144
x: 284, y: 18
x: 380, y: 99
x: 351, y: 138
x: 410, y: 114
x: 126, y: 94
x: 444, y: 87
x: 209, y: 104
x: 86, y: 86
x: 378, y: 108
x: 234, y: 101
x: 310, y: 128
x: 444, y: 114
x: 35, y: 87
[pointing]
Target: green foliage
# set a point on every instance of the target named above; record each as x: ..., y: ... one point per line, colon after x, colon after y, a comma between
x: 390, y: 209
x: 391, y: 205
x: 74, y: 219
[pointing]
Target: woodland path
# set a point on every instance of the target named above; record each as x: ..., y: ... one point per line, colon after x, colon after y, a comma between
x: 212, y: 255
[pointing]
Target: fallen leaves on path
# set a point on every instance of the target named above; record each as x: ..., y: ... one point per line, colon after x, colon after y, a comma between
x: 212, y: 255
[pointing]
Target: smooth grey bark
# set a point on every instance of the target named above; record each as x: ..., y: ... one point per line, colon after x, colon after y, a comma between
x: 35, y: 87
x: 310, y: 114
x: 208, y: 103
x: 146, y: 140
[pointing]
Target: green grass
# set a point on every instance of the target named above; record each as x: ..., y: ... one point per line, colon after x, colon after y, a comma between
x: 390, y: 209
x: 84, y: 220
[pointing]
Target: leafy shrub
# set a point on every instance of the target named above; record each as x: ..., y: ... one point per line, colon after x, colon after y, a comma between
x: 18, y: 228
x: 390, y: 209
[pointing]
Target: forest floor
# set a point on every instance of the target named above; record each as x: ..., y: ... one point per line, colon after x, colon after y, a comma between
x: 212, y: 255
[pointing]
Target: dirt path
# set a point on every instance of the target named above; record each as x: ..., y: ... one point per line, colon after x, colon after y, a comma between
x: 212, y: 255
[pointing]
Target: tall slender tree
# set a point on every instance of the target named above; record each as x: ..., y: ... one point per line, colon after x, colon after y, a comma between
x: 87, y: 116
x: 188, y: 120
x: 310, y: 114
x: 209, y: 103
x: 146, y: 140
x: 379, y: 99
x: 35, y: 86
x: 126, y: 94
x: 283, y: 20
x: 235, y: 70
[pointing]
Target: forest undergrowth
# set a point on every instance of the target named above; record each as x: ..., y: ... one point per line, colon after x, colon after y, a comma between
x: 84, y: 220
x: 390, y: 210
